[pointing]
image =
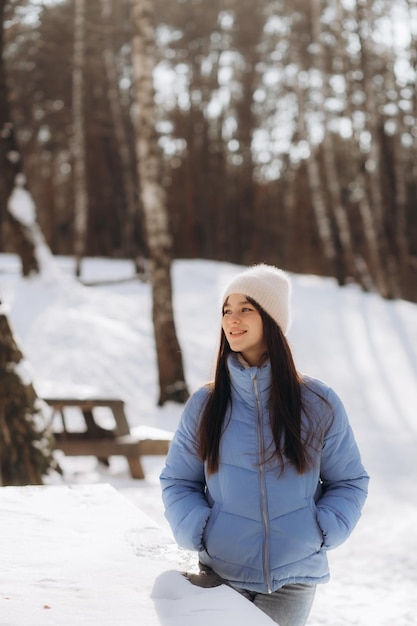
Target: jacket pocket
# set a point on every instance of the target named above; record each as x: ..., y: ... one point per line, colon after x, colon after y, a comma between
x: 317, y: 525
x: 294, y: 536
x: 209, y: 525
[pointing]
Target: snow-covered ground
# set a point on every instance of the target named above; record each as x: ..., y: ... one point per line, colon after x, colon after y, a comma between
x: 99, y: 339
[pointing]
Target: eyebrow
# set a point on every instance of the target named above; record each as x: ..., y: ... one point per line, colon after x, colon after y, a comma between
x: 241, y: 302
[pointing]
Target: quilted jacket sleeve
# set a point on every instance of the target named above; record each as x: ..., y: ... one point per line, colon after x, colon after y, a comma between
x: 344, y: 479
x: 183, y: 480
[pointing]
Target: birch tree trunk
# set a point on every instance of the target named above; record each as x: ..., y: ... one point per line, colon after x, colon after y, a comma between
x: 345, y: 266
x: 308, y: 114
x: 371, y: 273
x: 78, y: 138
x: 315, y: 182
x: 170, y: 367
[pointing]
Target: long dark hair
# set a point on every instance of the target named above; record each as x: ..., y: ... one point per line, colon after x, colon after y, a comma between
x: 285, y: 403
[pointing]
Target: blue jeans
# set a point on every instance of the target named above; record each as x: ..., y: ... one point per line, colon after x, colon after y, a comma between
x: 288, y: 606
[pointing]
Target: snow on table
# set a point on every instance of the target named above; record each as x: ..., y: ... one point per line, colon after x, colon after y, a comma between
x: 85, y: 555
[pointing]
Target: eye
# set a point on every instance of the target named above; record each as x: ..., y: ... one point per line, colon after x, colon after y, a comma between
x: 226, y: 312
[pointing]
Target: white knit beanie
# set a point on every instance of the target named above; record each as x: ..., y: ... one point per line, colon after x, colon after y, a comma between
x: 269, y: 286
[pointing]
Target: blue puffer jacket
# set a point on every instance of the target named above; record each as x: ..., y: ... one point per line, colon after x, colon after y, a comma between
x: 254, y: 527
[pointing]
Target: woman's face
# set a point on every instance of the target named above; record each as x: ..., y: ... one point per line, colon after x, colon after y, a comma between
x: 243, y: 328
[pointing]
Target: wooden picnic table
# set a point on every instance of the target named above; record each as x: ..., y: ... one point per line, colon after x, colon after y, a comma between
x: 103, y: 442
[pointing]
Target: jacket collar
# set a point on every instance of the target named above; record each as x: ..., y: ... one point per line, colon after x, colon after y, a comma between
x: 244, y: 379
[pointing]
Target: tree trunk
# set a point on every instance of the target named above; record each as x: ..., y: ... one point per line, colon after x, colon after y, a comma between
x: 247, y: 33
x: 315, y: 184
x: 401, y: 162
x: 412, y: 58
x: 78, y: 137
x: 345, y: 266
x: 306, y: 103
x: 170, y: 367
x: 370, y: 272
x: 10, y: 168
x: 25, y: 443
x: 387, y: 280
x: 132, y: 209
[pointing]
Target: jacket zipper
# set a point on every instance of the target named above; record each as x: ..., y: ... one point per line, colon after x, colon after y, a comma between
x: 263, y: 487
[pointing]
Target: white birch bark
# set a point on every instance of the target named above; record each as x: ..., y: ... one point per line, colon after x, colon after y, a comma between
x: 329, y: 157
x: 371, y: 273
x: 315, y: 182
x: 170, y: 368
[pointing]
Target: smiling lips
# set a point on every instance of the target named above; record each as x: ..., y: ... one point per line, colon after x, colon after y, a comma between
x: 237, y: 332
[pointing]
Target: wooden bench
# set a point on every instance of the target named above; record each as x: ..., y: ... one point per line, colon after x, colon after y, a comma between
x: 102, y: 442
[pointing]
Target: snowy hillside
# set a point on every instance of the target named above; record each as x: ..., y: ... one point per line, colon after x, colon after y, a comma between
x: 99, y: 339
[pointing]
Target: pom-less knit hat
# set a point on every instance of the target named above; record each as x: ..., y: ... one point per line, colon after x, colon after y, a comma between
x: 269, y: 286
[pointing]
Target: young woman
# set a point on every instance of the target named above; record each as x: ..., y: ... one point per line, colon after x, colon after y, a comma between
x: 263, y: 475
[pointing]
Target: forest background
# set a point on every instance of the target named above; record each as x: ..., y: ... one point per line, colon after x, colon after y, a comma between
x: 287, y: 129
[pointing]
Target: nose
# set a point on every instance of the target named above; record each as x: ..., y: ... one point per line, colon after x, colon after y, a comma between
x: 234, y: 317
